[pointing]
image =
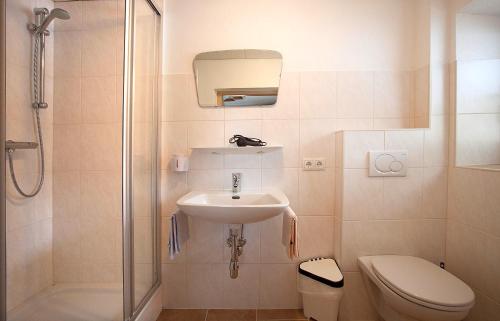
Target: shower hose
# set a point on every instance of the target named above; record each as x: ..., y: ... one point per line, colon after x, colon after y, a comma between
x: 36, y: 83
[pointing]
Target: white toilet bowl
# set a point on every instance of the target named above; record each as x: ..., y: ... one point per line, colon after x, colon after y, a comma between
x: 407, y: 288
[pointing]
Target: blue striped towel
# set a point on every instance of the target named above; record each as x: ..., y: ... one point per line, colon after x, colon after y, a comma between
x: 179, y: 233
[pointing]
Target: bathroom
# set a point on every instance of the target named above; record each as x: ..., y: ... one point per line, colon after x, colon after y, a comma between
x: 128, y: 141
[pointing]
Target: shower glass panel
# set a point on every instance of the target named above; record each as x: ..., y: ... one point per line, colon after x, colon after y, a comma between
x: 73, y: 251
x: 144, y: 156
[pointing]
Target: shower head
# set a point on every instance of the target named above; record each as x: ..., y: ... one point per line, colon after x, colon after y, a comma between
x: 54, y: 13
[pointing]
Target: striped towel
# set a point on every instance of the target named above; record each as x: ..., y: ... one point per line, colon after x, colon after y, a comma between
x: 290, y: 238
x: 179, y: 233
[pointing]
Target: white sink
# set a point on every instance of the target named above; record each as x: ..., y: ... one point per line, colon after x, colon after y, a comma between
x: 222, y: 207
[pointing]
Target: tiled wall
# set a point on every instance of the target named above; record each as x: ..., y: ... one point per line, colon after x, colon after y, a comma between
x: 87, y: 142
x: 473, y: 225
x: 396, y: 215
x: 321, y: 92
x: 29, y: 220
x: 473, y: 236
x: 387, y: 215
x: 311, y: 107
x: 478, y: 90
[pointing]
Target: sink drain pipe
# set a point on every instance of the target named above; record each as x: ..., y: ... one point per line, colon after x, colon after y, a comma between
x: 236, y: 243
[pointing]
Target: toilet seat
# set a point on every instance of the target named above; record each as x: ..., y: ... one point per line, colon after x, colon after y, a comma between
x: 423, y: 283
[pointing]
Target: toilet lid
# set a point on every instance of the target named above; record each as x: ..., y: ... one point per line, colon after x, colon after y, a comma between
x: 421, y: 281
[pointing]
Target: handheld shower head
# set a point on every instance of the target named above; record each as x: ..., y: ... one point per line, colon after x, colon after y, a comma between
x: 54, y: 13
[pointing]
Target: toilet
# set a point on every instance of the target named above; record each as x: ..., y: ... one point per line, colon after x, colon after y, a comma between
x: 407, y: 288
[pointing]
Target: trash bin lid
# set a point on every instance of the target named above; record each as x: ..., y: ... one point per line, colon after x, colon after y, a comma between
x: 323, y: 270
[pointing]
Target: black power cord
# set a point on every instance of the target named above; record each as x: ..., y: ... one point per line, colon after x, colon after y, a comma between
x: 242, y: 141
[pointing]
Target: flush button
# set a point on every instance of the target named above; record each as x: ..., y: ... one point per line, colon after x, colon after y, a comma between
x: 388, y: 163
x: 396, y: 166
x: 383, y: 163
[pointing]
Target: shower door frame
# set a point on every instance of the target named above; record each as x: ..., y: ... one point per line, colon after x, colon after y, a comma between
x: 3, y: 234
x: 130, y: 311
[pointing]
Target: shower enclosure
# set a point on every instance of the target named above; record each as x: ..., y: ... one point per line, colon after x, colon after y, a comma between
x: 79, y: 230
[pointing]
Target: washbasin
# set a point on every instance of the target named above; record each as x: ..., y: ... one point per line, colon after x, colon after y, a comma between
x: 225, y: 207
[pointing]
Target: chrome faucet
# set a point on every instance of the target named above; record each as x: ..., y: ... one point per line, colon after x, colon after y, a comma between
x: 236, y: 183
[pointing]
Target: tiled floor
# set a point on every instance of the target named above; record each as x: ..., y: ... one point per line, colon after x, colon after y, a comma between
x: 231, y: 315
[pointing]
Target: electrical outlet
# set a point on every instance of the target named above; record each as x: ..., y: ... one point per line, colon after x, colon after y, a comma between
x: 313, y: 164
x: 308, y: 164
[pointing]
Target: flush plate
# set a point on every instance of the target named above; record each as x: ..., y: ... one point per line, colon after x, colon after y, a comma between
x: 388, y: 163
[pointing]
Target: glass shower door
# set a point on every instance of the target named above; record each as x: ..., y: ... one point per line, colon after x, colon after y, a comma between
x: 143, y: 148
x: 142, y: 155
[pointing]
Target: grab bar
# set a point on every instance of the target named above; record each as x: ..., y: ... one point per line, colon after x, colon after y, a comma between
x: 11, y: 145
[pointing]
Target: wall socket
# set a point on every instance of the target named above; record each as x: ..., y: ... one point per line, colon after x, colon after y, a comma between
x: 314, y: 164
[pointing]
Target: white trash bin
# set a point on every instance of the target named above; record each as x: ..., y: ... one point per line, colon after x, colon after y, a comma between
x: 320, y: 283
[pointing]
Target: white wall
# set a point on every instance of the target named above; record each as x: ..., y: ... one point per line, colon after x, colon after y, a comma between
x: 478, y: 90
x: 87, y: 142
x: 347, y: 65
x: 473, y: 225
x: 29, y: 220
x: 311, y: 35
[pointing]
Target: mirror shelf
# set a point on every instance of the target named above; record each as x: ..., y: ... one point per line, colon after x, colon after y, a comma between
x: 238, y: 150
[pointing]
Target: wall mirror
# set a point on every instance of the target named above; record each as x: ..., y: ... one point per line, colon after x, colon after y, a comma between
x: 478, y: 85
x: 235, y: 78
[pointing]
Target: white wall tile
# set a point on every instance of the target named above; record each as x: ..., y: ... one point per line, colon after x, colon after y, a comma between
x: 357, y: 144
x: 67, y: 100
x: 242, y: 292
x: 206, y: 242
x: 355, y: 94
x: 67, y: 194
x: 174, y: 186
x: 410, y: 140
x: 436, y: 142
x: 403, y: 196
x: 478, y: 84
x: 206, y: 179
x: 206, y: 134
x: 362, y: 195
x: 316, y: 236
x: 440, y: 93
x: 67, y: 154
x: 99, y: 100
x: 281, y: 132
x: 478, y: 139
x: 278, y: 287
x: 174, y: 140
x: 205, y: 285
x: 356, y: 304
x: 434, y: 194
x: 391, y: 123
x: 67, y: 54
x: 285, y: 179
x: 100, y: 146
x: 98, y: 52
x: 317, y: 139
x: 316, y: 192
x: 318, y: 94
x: 392, y: 94
x: 174, y: 286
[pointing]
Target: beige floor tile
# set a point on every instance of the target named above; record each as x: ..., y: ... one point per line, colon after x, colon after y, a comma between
x: 281, y: 314
x: 182, y: 315
x: 231, y: 315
